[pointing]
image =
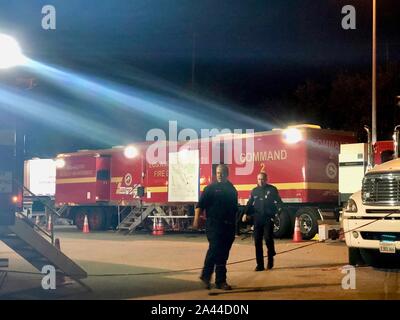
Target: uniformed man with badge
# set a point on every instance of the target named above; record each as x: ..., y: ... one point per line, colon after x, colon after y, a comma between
x: 220, y: 202
x: 262, y: 206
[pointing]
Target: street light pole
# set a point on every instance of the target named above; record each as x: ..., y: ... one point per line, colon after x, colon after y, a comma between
x: 373, y: 71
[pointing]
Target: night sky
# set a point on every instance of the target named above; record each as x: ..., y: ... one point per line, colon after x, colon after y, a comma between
x: 243, y: 56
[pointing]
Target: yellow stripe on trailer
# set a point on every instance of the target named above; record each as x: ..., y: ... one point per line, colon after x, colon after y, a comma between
x: 116, y: 179
x: 291, y: 186
x: 76, y: 180
x: 157, y: 189
x: 165, y: 188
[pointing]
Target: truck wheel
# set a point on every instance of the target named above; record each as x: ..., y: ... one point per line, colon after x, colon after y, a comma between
x: 380, y: 260
x: 97, y: 219
x: 282, y: 224
x: 355, y: 258
x: 308, y: 222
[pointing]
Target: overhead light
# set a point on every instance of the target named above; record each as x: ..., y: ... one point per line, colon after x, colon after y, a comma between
x: 10, y: 52
x: 60, y: 163
x: 130, y: 152
x: 292, y: 135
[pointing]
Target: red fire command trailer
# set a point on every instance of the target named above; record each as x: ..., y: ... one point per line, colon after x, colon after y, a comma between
x: 122, y: 186
x: 302, y: 162
x: 113, y: 188
x: 97, y: 183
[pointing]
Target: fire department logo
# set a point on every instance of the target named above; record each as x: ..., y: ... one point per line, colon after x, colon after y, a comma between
x: 128, y: 179
x: 331, y: 170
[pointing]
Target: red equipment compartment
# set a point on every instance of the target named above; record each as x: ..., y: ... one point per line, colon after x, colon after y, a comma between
x: 156, y: 173
x: 283, y: 164
x: 103, y: 178
x: 126, y: 175
x: 323, y: 147
x: 76, y: 181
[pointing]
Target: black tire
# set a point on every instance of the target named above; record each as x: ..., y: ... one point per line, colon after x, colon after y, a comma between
x: 282, y: 224
x: 97, y: 219
x: 355, y: 258
x: 79, y: 217
x: 380, y: 260
x: 308, y: 217
x: 371, y: 257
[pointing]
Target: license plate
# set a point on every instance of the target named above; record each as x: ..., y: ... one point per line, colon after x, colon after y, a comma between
x: 387, y: 247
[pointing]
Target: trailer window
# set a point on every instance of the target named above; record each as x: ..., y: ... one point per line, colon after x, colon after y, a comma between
x: 103, y: 175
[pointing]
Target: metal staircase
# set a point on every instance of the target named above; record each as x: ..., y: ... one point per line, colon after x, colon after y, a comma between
x: 29, y: 244
x: 136, y: 216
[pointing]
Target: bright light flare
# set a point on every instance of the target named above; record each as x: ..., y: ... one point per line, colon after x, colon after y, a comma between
x: 60, y: 163
x: 10, y: 52
x: 292, y: 135
x: 130, y: 152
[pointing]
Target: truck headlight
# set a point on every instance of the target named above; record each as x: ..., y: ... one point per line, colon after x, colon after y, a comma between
x: 351, y: 206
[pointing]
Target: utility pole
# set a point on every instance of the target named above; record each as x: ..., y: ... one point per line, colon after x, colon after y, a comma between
x: 373, y: 71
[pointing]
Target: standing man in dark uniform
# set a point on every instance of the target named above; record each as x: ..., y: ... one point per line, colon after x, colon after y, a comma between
x: 220, y: 201
x: 262, y: 206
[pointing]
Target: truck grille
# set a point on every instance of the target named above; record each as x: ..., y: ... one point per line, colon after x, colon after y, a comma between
x: 378, y: 235
x: 381, y: 189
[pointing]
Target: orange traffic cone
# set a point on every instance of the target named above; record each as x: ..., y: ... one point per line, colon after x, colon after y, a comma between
x: 160, y: 228
x: 85, y: 225
x: 297, y: 234
x: 49, y: 223
x: 155, y: 228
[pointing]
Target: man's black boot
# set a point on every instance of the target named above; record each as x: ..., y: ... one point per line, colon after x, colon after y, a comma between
x: 259, y: 268
x: 270, y: 263
x: 223, y: 286
x: 206, y: 283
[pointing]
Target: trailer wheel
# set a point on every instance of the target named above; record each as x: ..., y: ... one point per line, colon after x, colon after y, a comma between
x: 308, y: 222
x: 282, y: 224
x: 80, y: 217
x: 97, y: 219
x: 355, y: 258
